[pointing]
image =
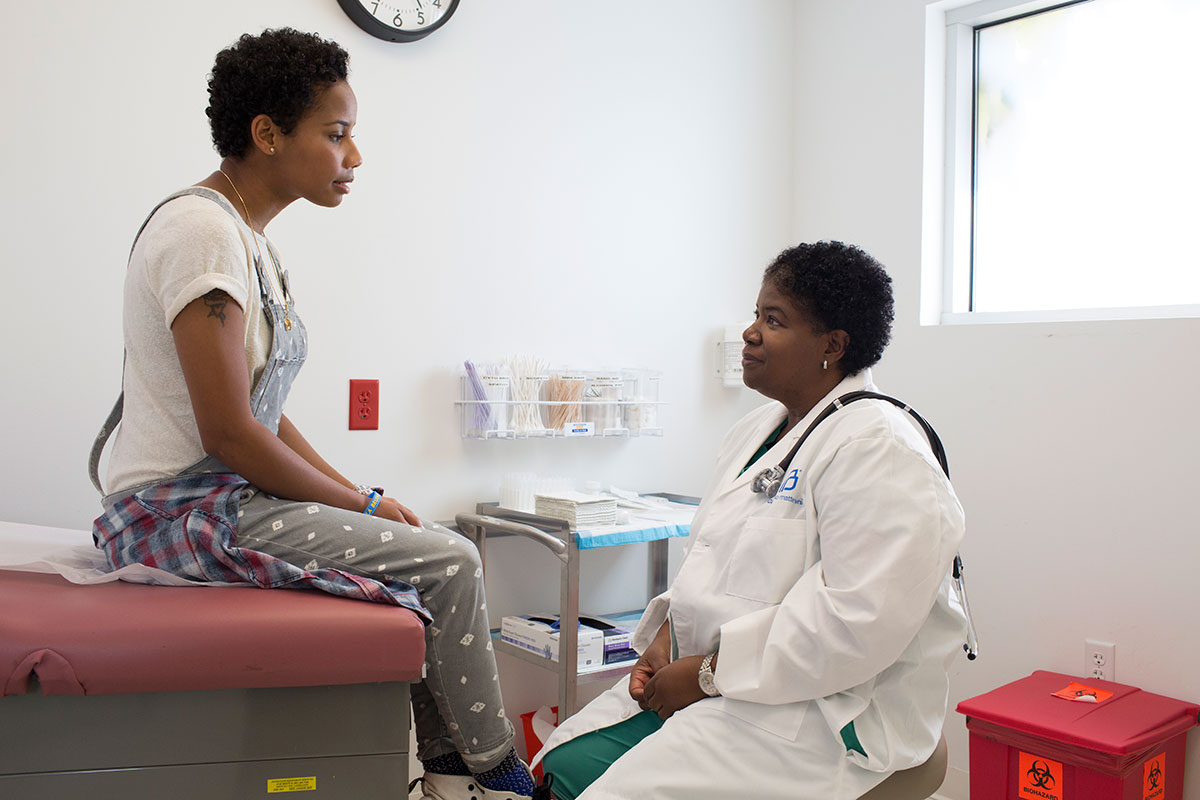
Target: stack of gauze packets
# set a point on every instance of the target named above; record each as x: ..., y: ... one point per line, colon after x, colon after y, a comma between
x: 578, y: 509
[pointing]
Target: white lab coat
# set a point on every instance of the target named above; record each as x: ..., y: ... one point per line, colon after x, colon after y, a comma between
x: 830, y: 604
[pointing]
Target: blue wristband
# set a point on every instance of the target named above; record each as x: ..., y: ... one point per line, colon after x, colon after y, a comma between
x: 372, y: 504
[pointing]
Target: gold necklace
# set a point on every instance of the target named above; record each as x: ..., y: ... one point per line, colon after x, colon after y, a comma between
x: 284, y: 299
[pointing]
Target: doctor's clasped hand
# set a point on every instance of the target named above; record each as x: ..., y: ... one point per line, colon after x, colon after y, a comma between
x: 664, y: 686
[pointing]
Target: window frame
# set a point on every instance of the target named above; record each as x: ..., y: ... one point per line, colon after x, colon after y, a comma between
x: 949, y: 176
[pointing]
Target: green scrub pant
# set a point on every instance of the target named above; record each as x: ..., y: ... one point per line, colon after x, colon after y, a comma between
x: 579, y: 762
x: 575, y: 764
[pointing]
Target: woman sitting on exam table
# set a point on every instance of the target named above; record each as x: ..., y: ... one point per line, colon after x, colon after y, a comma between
x: 209, y: 479
x: 801, y: 651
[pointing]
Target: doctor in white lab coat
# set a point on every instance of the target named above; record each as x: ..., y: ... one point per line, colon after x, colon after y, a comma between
x: 826, y: 612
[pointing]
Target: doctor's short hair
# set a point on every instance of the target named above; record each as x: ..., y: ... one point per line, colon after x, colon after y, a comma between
x: 279, y: 72
x: 840, y: 287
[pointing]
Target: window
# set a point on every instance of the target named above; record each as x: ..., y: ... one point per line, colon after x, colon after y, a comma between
x: 1071, y: 184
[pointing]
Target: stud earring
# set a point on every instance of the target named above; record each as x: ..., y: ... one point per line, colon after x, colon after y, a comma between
x: 825, y: 364
x: 272, y: 151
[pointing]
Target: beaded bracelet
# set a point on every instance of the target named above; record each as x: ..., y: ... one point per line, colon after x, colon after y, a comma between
x: 372, y: 504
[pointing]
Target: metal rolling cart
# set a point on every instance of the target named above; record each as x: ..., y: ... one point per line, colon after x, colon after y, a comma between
x: 556, y: 536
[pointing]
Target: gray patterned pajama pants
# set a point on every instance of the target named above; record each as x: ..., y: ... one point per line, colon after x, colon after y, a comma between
x: 457, y: 706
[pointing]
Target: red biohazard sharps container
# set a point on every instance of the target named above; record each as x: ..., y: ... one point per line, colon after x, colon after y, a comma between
x: 1058, y: 737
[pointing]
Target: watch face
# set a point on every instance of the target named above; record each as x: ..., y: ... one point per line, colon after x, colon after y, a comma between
x: 708, y: 683
x: 399, y: 20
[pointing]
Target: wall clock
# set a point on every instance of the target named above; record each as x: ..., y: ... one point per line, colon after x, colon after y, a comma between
x: 399, y: 20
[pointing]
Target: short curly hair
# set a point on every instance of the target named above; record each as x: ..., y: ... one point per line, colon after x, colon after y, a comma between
x: 278, y: 73
x: 840, y: 287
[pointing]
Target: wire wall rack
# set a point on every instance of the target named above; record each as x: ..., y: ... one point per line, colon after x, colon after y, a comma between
x: 565, y: 404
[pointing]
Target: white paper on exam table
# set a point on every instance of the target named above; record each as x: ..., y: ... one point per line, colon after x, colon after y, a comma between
x: 71, y: 554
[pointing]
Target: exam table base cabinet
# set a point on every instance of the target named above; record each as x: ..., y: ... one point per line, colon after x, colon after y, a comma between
x: 201, y: 745
x: 120, y: 690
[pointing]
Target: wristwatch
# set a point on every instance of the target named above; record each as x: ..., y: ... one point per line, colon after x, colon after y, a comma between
x: 708, y: 683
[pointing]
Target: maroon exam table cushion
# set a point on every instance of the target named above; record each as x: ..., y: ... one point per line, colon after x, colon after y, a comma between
x: 116, y: 637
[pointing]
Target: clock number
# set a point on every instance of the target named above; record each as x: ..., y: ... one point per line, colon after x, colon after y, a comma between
x: 393, y: 21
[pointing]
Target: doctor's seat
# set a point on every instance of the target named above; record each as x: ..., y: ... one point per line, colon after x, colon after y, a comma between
x: 914, y: 783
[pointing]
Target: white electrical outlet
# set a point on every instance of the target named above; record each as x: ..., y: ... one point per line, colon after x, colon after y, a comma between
x: 1099, y: 660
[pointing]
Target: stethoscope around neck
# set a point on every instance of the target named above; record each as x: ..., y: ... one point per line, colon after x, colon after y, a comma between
x: 769, y: 480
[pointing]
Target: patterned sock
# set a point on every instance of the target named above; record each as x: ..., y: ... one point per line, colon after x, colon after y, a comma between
x: 509, y: 775
x: 449, y: 764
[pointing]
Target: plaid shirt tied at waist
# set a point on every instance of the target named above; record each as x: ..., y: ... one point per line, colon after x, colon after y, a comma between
x: 188, y: 526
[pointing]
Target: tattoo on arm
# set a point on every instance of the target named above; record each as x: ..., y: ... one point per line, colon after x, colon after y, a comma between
x: 216, y: 300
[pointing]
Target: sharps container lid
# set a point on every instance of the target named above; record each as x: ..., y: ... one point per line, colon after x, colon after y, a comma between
x: 1121, y: 720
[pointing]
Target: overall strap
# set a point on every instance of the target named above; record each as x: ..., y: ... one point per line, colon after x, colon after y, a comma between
x: 106, y: 430
x: 114, y: 416
x: 199, y: 191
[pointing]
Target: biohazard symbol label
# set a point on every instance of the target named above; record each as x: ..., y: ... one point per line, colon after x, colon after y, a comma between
x: 1039, y: 778
x: 1083, y: 694
x: 1154, y: 777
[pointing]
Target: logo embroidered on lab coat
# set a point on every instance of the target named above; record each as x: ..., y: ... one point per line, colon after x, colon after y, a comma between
x: 789, y: 485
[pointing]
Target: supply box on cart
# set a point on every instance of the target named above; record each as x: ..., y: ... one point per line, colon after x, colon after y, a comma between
x: 1057, y: 737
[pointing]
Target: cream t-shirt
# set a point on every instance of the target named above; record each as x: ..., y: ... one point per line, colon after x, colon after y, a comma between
x: 191, y: 246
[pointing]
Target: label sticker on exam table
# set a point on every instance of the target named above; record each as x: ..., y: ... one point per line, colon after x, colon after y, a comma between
x: 276, y: 785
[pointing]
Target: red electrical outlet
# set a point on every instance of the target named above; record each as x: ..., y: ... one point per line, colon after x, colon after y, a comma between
x: 364, y: 405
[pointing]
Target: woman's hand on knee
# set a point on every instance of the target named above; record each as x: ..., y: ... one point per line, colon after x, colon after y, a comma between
x: 390, y: 508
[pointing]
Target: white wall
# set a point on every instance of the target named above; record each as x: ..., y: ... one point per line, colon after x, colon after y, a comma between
x: 548, y: 178
x: 538, y: 179
x: 1074, y: 446
x: 529, y: 153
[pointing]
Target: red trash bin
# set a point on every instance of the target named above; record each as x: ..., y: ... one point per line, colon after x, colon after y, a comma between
x: 532, y: 743
x: 1057, y: 737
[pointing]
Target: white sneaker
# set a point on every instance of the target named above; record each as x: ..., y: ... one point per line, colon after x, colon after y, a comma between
x: 492, y: 794
x: 435, y: 786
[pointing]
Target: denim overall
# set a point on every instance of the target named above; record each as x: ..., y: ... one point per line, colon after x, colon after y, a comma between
x: 289, y: 348
x: 147, y: 524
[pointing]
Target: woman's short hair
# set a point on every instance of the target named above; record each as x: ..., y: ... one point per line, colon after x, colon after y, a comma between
x: 839, y: 287
x: 278, y: 73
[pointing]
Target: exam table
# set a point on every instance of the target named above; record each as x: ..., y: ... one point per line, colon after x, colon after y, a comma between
x: 120, y: 690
